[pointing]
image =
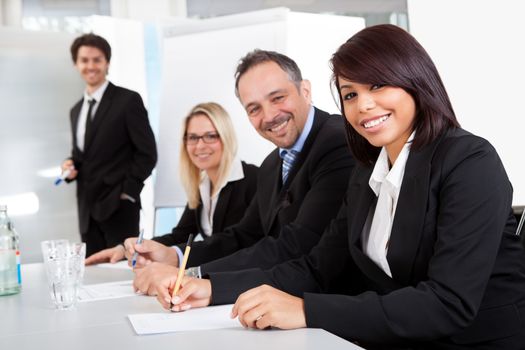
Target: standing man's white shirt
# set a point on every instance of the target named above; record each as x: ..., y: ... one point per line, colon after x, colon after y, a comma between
x: 81, y: 124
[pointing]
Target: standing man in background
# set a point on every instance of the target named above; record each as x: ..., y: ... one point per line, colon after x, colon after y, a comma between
x: 113, y: 150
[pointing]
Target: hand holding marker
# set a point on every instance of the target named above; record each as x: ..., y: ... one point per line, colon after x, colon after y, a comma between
x: 62, y: 176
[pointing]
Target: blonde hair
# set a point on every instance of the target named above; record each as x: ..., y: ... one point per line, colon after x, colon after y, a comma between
x: 190, y: 175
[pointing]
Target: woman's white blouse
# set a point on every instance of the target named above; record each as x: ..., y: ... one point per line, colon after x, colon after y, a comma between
x: 208, y: 202
x: 386, y: 184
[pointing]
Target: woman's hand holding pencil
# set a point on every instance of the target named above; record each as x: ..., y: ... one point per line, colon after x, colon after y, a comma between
x: 193, y: 292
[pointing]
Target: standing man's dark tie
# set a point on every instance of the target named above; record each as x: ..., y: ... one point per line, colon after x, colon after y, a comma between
x: 89, y: 121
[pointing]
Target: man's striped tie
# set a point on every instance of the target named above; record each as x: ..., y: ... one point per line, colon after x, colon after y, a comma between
x: 288, y: 160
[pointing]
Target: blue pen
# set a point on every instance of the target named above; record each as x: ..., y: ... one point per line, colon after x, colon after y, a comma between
x: 62, y: 177
x: 139, y: 241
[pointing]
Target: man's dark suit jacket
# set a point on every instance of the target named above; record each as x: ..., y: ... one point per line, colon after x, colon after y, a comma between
x: 458, y: 269
x: 117, y: 159
x: 286, y: 221
x: 233, y: 200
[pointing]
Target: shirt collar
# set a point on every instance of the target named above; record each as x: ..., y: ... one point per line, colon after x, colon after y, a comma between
x: 236, y: 173
x: 393, y: 176
x: 298, y: 145
x: 97, y: 94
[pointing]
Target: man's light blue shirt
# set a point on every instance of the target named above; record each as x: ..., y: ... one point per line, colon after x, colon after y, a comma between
x: 298, y: 145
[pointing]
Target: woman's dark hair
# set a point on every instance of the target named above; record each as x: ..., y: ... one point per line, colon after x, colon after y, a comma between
x: 92, y: 40
x: 388, y: 55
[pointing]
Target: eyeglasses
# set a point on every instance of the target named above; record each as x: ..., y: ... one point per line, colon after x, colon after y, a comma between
x: 193, y: 139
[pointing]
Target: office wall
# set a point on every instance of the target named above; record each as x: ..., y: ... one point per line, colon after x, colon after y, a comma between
x: 38, y: 84
x: 478, y: 47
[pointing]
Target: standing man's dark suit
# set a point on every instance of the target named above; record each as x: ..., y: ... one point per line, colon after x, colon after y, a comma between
x: 458, y: 268
x: 118, y: 157
x: 113, y: 149
x: 285, y: 221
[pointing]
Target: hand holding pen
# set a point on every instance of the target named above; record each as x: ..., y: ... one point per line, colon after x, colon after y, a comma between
x: 68, y: 172
x: 62, y: 177
x: 139, y: 241
x: 149, y: 251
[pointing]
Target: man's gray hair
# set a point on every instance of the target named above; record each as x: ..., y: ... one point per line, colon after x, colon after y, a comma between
x: 257, y: 57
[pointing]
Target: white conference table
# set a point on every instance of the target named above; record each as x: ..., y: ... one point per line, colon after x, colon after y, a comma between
x: 30, y: 321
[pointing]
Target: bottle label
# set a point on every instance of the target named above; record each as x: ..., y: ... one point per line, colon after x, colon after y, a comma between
x: 18, y: 267
x: 8, y: 269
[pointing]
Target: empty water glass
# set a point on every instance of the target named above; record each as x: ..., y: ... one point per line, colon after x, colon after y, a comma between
x: 64, y: 264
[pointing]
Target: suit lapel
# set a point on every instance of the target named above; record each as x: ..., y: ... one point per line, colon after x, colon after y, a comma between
x: 361, y: 193
x: 75, y: 115
x: 197, y: 213
x: 319, y: 119
x: 409, y: 218
x: 222, y: 206
x: 364, y: 198
x: 102, y: 109
x: 274, y: 197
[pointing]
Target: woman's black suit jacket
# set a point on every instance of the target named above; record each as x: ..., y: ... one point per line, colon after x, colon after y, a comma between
x: 458, y: 269
x: 233, y: 200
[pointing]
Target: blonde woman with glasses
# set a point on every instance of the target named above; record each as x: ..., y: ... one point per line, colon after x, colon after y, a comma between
x: 219, y: 186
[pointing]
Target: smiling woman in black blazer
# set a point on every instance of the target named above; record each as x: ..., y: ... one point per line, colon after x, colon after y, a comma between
x: 423, y: 252
x: 218, y: 185
x: 211, y: 173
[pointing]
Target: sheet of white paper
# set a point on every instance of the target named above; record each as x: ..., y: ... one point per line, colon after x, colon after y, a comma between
x: 212, y: 317
x: 121, y: 265
x: 102, y: 291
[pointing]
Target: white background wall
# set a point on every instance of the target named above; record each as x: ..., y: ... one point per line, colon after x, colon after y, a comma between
x: 479, y: 49
x: 38, y: 86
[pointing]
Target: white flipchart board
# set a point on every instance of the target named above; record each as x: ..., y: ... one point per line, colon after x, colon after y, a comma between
x: 478, y: 47
x: 199, y: 61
